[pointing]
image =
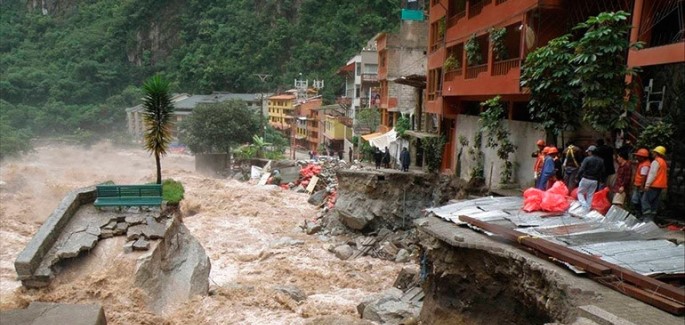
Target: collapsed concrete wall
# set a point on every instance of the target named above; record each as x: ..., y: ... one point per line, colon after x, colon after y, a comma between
x: 471, y: 280
x: 28, y: 262
x: 371, y: 200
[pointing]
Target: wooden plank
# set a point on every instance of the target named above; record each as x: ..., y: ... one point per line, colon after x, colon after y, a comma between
x: 312, y: 184
x: 647, y: 297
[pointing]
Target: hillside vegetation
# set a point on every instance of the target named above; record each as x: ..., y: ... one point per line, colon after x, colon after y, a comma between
x: 71, y: 67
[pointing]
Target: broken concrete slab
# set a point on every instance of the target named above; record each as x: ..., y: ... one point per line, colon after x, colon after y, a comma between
x: 154, y: 229
x: 121, y: 228
x: 76, y: 242
x: 106, y: 233
x: 128, y: 247
x: 134, y: 232
x: 141, y: 244
x: 111, y: 225
x: 41, y: 313
x: 317, y: 198
x: 134, y: 220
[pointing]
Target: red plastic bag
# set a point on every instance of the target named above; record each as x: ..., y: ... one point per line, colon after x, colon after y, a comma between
x: 600, y: 201
x: 553, y: 202
x: 574, y: 194
x: 531, y: 199
x: 558, y: 188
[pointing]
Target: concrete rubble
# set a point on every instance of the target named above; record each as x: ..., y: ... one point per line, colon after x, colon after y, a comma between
x: 42, y: 313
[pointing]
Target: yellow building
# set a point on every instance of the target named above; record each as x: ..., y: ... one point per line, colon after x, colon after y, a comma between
x: 336, y: 127
x: 280, y: 109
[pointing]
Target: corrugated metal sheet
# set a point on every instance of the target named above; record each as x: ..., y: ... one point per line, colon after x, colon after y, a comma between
x: 618, y: 237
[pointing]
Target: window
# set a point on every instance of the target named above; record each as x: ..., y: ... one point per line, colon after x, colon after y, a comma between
x: 357, y: 92
x: 358, y: 68
x: 371, y: 68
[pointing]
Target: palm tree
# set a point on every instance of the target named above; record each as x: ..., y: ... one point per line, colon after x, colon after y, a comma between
x: 157, y: 118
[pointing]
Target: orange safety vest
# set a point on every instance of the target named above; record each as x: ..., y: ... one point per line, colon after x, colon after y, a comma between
x: 539, y: 161
x: 661, y: 179
x: 640, y: 179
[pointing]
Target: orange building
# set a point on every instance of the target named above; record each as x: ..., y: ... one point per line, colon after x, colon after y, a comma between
x: 476, y: 49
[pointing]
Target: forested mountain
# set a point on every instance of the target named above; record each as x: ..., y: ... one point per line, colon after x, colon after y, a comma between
x: 68, y: 65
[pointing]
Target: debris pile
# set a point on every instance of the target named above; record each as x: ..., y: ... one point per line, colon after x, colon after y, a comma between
x: 319, y: 178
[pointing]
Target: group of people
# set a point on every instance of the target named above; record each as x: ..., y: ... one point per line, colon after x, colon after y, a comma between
x: 601, y: 166
x: 382, y: 158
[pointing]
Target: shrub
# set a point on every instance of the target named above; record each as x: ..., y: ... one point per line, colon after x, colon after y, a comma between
x: 172, y: 191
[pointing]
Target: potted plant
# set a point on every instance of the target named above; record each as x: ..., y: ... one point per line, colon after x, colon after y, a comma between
x: 499, y: 49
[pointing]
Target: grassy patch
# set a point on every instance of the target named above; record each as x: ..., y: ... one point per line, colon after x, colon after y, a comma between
x: 172, y: 191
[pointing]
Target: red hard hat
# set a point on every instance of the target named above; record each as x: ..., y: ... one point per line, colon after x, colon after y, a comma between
x: 546, y: 150
x: 642, y: 153
x: 541, y: 142
x: 552, y: 150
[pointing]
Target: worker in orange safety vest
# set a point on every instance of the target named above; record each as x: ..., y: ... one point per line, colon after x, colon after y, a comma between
x: 643, y: 162
x: 539, y: 156
x: 657, y: 181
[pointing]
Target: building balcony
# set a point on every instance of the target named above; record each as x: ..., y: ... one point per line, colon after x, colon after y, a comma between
x: 503, y: 77
x: 474, y: 71
x: 502, y: 67
x: 369, y: 77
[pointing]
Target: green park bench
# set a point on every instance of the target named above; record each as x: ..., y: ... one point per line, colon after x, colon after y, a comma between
x: 128, y: 195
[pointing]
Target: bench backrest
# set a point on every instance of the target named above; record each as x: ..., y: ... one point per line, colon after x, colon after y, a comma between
x: 129, y: 190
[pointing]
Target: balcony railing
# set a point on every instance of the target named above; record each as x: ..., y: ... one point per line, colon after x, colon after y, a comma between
x: 474, y: 71
x: 436, y: 45
x: 455, y: 18
x: 450, y: 75
x: 502, y: 67
x: 369, y: 77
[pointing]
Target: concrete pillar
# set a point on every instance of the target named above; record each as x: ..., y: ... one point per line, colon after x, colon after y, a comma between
x: 637, y: 17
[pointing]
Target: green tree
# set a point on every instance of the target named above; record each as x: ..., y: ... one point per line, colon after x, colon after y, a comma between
x: 497, y: 135
x: 217, y: 127
x: 547, y: 73
x: 600, y: 56
x: 402, y: 126
x: 157, y: 119
x: 367, y: 119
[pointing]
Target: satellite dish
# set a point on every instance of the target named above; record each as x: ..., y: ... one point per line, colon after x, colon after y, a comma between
x: 530, y: 37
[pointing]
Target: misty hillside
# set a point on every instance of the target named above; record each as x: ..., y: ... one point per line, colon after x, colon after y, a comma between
x: 70, y: 65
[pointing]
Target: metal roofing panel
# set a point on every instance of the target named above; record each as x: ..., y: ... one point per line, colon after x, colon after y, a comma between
x: 618, y: 237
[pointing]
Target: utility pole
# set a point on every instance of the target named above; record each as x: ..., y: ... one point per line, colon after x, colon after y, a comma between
x: 301, y: 86
x: 262, y: 77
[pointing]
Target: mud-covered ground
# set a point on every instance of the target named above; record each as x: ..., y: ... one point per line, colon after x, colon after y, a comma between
x: 249, y: 233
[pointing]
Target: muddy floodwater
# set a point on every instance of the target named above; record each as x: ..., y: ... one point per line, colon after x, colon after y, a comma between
x: 250, y: 234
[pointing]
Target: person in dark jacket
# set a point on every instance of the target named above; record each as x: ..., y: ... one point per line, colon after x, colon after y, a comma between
x: 405, y: 159
x: 573, y: 157
x: 607, y: 154
x: 591, y: 172
x: 377, y: 157
x: 386, y: 158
